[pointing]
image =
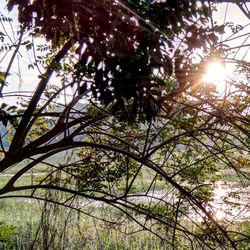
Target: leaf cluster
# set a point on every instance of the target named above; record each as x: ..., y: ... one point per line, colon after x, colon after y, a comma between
x: 120, y: 45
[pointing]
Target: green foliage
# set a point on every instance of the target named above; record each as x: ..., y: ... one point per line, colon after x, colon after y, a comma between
x: 2, y: 77
x: 99, y: 170
x: 7, y: 114
x: 6, y: 233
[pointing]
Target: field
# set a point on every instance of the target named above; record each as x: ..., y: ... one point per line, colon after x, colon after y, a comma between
x: 77, y: 231
x: 62, y: 228
x: 66, y: 229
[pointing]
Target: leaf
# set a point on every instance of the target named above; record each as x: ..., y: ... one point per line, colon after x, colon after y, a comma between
x: 219, y: 28
x: 28, y: 46
x: 3, y: 105
x: 30, y: 66
x: 14, y: 122
x: 5, y: 122
x: 2, y: 77
x: 11, y: 108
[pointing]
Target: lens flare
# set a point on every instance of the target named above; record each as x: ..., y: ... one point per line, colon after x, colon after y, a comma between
x: 215, y: 73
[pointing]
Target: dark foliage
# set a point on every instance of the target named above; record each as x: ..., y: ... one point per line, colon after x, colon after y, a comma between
x: 121, y: 44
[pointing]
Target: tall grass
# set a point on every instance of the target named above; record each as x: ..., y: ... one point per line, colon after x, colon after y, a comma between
x: 64, y: 229
x: 77, y: 232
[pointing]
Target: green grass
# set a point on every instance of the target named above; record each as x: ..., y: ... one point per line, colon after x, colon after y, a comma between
x: 82, y: 232
x: 237, y: 179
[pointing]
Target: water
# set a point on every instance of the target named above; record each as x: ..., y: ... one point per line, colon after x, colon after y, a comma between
x: 229, y: 203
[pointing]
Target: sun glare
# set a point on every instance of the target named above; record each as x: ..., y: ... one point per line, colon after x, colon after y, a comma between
x: 220, y: 215
x: 216, y: 72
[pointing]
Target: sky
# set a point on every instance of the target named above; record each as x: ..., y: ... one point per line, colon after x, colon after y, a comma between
x: 21, y: 78
x: 231, y: 13
x: 24, y: 79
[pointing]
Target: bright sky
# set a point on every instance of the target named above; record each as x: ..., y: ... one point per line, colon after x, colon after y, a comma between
x: 231, y: 13
x: 21, y: 78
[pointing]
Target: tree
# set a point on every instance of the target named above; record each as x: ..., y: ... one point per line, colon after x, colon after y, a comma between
x: 138, y: 105
x: 119, y: 37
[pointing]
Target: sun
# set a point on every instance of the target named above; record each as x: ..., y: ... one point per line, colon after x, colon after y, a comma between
x: 220, y: 215
x: 216, y: 73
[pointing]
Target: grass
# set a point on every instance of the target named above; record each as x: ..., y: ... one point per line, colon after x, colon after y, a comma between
x: 81, y: 231
x: 242, y: 179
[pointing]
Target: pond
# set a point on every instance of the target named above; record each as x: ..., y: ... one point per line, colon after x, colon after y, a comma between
x: 229, y: 203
